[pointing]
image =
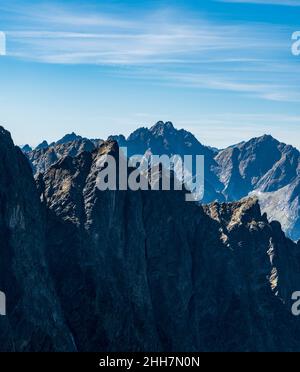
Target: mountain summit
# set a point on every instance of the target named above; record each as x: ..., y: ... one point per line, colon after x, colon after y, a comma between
x: 69, y: 138
x: 269, y: 169
x: 165, y: 139
x: 161, y: 128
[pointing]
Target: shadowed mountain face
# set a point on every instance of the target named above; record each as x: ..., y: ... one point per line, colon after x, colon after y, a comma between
x: 26, y: 149
x: 34, y: 320
x: 137, y: 271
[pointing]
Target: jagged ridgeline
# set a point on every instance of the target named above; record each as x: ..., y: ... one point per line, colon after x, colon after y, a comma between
x: 263, y: 167
x: 85, y: 270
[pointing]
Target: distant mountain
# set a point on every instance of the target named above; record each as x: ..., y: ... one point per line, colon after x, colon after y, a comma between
x: 262, y: 163
x: 262, y: 166
x: 44, y: 156
x: 283, y: 205
x: 69, y: 138
x: 164, y: 139
x: 42, y: 146
x: 269, y: 169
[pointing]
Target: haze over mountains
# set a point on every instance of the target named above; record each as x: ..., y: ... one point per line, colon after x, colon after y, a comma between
x: 85, y: 270
x: 262, y: 166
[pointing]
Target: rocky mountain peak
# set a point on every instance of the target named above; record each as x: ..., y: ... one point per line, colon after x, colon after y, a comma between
x: 267, y: 138
x: 26, y: 148
x: 161, y: 128
x: 68, y: 138
x: 42, y: 146
x: 5, y: 137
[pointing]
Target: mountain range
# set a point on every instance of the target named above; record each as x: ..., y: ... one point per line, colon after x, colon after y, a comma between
x: 85, y: 270
x: 262, y: 166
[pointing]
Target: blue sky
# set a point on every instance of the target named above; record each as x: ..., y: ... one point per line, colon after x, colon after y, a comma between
x: 222, y: 69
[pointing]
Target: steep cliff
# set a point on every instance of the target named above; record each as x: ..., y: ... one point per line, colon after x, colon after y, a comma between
x: 34, y: 319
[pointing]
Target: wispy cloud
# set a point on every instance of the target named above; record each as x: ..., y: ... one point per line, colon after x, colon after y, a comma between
x: 224, y: 129
x: 264, y: 86
x: 167, y: 46
x: 57, y: 34
x: 51, y: 14
x: 171, y: 41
